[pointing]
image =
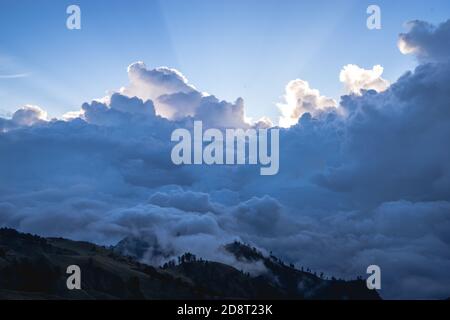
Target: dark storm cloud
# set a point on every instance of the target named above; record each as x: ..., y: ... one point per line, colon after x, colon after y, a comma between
x: 426, y: 41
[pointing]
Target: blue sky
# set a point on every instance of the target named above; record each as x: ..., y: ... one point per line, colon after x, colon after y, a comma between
x: 250, y: 49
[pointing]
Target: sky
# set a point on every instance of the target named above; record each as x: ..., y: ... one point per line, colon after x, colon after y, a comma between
x: 253, y: 47
x: 364, y: 163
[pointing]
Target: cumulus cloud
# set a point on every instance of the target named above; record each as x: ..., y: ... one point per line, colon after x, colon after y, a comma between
x: 363, y: 182
x: 29, y: 115
x: 356, y: 79
x: 264, y: 123
x: 428, y: 42
x: 175, y: 98
x: 118, y: 109
x: 154, y: 83
x: 300, y: 98
x: 407, y: 125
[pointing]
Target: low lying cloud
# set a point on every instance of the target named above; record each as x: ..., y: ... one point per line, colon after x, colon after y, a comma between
x: 300, y: 98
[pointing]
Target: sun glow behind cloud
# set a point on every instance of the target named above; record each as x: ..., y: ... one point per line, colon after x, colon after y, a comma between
x: 356, y: 79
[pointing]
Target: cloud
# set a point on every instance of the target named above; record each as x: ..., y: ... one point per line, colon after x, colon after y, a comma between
x: 428, y: 42
x: 404, y: 127
x: 356, y: 79
x: 174, y: 98
x: 116, y: 110
x: 264, y: 123
x: 29, y: 115
x: 152, y: 84
x: 300, y: 98
x: 14, y: 76
x: 365, y: 181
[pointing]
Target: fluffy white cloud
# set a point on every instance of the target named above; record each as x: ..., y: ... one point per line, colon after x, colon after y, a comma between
x: 300, y: 98
x: 154, y: 83
x: 174, y: 98
x: 356, y: 79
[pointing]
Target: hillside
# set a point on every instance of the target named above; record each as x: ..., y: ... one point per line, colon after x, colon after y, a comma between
x: 32, y: 267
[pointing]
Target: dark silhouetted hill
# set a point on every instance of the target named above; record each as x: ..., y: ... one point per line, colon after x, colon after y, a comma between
x: 33, y: 267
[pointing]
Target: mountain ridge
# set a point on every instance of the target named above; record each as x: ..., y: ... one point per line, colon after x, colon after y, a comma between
x: 33, y: 267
